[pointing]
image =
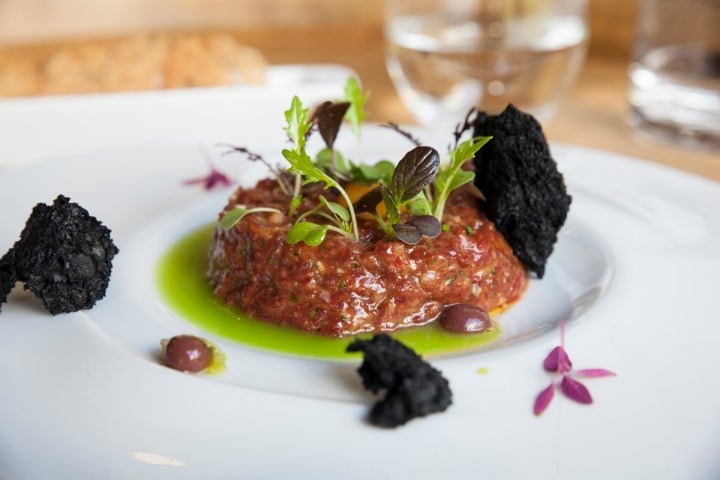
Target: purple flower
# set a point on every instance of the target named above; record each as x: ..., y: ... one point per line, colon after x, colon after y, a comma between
x: 215, y: 178
x: 210, y: 181
x: 558, y: 363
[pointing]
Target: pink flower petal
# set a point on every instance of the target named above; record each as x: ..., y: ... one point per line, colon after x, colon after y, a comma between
x: 593, y: 373
x: 575, y: 390
x: 557, y: 361
x: 543, y: 399
x: 211, y: 180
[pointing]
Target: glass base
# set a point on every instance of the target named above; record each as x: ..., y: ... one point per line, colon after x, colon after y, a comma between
x: 673, y: 133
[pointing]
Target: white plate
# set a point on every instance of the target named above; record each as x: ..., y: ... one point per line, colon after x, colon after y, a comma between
x: 637, y: 266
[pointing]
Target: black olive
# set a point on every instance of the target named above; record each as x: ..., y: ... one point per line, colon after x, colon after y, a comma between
x: 464, y: 318
x: 187, y: 353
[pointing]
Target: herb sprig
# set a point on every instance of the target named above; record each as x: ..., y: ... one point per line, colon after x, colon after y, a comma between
x: 307, y: 171
x: 414, y: 192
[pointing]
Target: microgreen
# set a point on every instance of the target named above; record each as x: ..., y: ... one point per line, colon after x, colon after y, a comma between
x: 310, y: 233
x: 231, y: 218
x: 382, y: 170
x: 357, y: 98
x: 306, y: 171
x: 297, y: 123
x: 414, y: 192
x: 416, y: 170
x: 558, y: 363
x: 417, y: 227
x: 453, y: 176
x: 329, y: 117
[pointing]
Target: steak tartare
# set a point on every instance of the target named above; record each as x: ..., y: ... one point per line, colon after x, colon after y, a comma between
x: 377, y: 284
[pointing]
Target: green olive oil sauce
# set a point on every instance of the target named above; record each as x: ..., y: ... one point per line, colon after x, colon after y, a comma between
x: 183, y: 284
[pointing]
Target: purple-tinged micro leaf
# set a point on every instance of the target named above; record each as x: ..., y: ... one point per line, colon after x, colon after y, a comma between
x: 407, y: 233
x: 543, y: 399
x: 427, y: 225
x: 329, y: 117
x: 575, y: 390
x: 416, y: 169
x: 557, y: 361
x: 593, y: 373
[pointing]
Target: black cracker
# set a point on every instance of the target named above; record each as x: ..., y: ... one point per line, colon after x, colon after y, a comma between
x: 7, y: 277
x: 64, y: 257
x: 525, y: 193
x: 413, y: 388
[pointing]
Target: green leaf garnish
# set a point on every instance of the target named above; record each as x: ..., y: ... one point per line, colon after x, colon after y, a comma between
x: 452, y: 176
x: 302, y: 164
x: 414, y: 192
x: 233, y: 217
x: 392, y: 207
x: 310, y: 233
x: 357, y: 99
x: 338, y: 210
x: 298, y: 126
x: 303, y: 167
x: 419, y: 205
x: 333, y: 160
x: 379, y: 171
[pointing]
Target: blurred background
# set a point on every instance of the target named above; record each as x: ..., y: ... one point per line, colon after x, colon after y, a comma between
x: 34, y: 21
x: 330, y: 31
x: 282, y: 31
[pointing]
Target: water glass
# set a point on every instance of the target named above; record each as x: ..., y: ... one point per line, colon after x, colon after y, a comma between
x: 446, y: 56
x: 675, y: 71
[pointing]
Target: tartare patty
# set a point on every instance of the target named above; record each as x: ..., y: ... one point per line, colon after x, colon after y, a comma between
x: 343, y: 287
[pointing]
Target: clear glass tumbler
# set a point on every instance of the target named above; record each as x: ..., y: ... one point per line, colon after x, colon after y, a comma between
x: 446, y: 56
x: 675, y: 71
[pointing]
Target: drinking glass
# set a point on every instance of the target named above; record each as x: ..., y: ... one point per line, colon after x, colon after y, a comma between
x: 445, y: 56
x: 675, y: 72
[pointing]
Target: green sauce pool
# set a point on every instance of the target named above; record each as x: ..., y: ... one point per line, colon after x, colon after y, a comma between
x: 184, y: 286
